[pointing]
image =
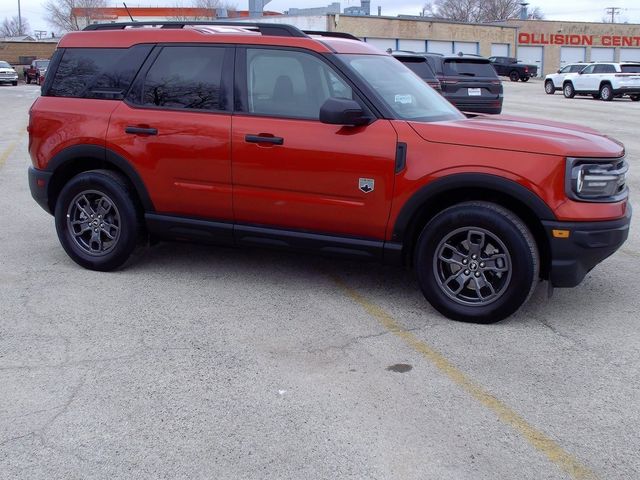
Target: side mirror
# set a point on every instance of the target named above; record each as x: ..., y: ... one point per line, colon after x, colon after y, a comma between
x: 558, y: 71
x: 580, y: 72
x: 342, y: 111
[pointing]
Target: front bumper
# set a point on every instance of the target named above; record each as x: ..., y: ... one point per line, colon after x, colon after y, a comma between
x: 39, y: 186
x: 588, y: 244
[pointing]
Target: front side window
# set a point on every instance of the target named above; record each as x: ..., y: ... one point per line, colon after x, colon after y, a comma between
x: 576, y: 68
x: 186, y: 77
x: 566, y: 69
x: 290, y: 83
x: 400, y: 89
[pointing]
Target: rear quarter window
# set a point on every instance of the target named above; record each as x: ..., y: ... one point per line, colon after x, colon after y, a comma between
x: 630, y: 68
x: 469, y: 68
x: 97, y: 72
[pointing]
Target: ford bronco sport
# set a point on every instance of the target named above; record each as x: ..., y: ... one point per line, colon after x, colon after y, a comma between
x: 261, y: 134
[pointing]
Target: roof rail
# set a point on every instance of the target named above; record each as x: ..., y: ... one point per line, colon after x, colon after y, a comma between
x: 331, y: 34
x: 270, y: 29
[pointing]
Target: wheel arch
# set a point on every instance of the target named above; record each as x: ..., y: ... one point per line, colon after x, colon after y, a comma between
x: 431, y: 199
x: 81, y: 158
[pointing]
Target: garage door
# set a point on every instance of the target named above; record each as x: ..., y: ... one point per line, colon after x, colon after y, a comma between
x: 438, y: 46
x: 532, y: 56
x: 602, y: 54
x: 412, y: 45
x: 382, y: 43
x: 465, y: 47
x: 572, y: 55
x: 500, y: 49
x: 630, y: 54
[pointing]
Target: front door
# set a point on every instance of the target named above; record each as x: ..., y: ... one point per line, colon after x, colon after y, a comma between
x: 290, y: 170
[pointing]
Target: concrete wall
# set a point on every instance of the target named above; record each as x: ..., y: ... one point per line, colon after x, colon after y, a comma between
x: 12, y: 51
x: 552, y: 35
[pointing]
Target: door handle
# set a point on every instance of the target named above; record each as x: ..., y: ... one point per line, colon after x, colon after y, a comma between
x: 141, y: 130
x: 263, y: 139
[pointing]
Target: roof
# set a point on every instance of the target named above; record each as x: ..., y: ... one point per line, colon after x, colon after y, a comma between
x: 123, y: 35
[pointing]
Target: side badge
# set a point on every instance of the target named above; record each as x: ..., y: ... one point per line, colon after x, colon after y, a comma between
x: 366, y: 185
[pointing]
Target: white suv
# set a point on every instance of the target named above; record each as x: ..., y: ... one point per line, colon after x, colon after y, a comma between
x: 554, y: 81
x: 604, y: 81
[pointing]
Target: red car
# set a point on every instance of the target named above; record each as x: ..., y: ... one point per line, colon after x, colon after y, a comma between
x: 261, y: 134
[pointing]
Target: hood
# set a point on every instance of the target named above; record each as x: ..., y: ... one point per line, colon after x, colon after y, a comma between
x: 505, y: 132
x: 7, y: 70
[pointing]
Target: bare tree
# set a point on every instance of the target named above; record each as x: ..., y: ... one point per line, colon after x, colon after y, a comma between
x: 476, y: 11
x: 68, y: 15
x: 12, y: 27
x: 536, y: 14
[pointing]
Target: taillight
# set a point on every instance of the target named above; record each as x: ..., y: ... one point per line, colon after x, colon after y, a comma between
x: 526, y: 69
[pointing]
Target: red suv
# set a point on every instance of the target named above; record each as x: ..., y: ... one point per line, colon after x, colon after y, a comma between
x: 261, y: 134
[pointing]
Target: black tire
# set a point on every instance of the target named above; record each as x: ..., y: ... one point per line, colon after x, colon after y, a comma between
x: 512, y: 282
x: 513, y: 76
x: 568, y: 91
x: 117, y: 238
x: 28, y: 79
x: 635, y: 98
x: 15, y: 84
x: 549, y: 87
x: 525, y: 79
x: 606, y: 92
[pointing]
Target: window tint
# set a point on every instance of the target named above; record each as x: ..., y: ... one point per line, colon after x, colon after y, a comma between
x: 576, y: 68
x: 567, y: 69
x: 589, y: 69
x: 469, y: 68
x: 630, y: 68
x: 291, y: 84
x: 97, y: 72
x: 419, y: 66
x: 186, y: 77
x: 604, y: 69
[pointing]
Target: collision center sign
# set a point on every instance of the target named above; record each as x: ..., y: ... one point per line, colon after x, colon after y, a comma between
x: 525, y: 38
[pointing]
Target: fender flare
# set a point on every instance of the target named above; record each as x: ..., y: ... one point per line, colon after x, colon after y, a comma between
x: 487, y: 182
x: 107, y: 158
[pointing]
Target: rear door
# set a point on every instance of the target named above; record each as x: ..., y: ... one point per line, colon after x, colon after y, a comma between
x: 175, y: 128
x: 290, y: 171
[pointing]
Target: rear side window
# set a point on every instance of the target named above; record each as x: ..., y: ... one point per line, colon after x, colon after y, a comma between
x: 469, y: 68
x: 186, y: 77
x: 630, y: 68
x: 419, y: 66
x: 97, y: 72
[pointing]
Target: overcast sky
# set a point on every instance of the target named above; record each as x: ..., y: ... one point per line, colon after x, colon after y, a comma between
x: 578, y: 10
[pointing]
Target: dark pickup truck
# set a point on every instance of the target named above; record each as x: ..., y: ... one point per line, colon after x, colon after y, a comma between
x: 509, y: 67
x: 36, y: 71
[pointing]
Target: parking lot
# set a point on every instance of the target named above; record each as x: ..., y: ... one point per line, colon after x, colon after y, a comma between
x: 211, y: 363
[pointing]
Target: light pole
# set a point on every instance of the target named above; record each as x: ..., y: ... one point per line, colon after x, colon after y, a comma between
x: 19, y: 20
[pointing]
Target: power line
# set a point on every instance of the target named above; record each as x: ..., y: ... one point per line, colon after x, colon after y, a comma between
x: 613, y: 11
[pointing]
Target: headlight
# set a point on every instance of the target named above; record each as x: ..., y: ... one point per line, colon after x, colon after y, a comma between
x: 597, y: 179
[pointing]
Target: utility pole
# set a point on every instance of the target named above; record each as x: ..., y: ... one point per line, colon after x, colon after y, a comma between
x: 19, y: 20
x: 613, y: 11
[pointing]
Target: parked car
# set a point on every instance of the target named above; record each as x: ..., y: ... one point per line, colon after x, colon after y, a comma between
x: 554, y: 81
x: 418, y: 64
x: 334, y: 148
x: 605, y: 81
x: 512, y: 68
x: 468, y: 81
x: 36, y: 71
x: 8, y: 74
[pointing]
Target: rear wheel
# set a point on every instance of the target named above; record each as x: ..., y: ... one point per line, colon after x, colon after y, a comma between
x: 477, y: 262
x: 549, y: 87
x: 568, y: 90
x: 513, y: 76
x: 525, y: 79
x: 635, y: 98
x: 15, y: 84
x: 97, y: 221
x: 606, y: 92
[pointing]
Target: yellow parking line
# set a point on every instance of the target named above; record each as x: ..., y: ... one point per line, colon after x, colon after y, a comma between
x: 554, y: 452
x: 4, y: 155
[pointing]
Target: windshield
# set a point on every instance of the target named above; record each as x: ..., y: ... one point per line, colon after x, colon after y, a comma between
x: 400, y: 89
x: 4, y: 65
x: 42, y: 64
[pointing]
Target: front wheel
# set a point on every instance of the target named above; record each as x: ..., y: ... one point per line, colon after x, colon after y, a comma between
x: 513, y: 76
x: 476, y: 262
x: 97, y: 221
x: 549, y: 87
x: 635, y: 98
x: 525, y: 79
